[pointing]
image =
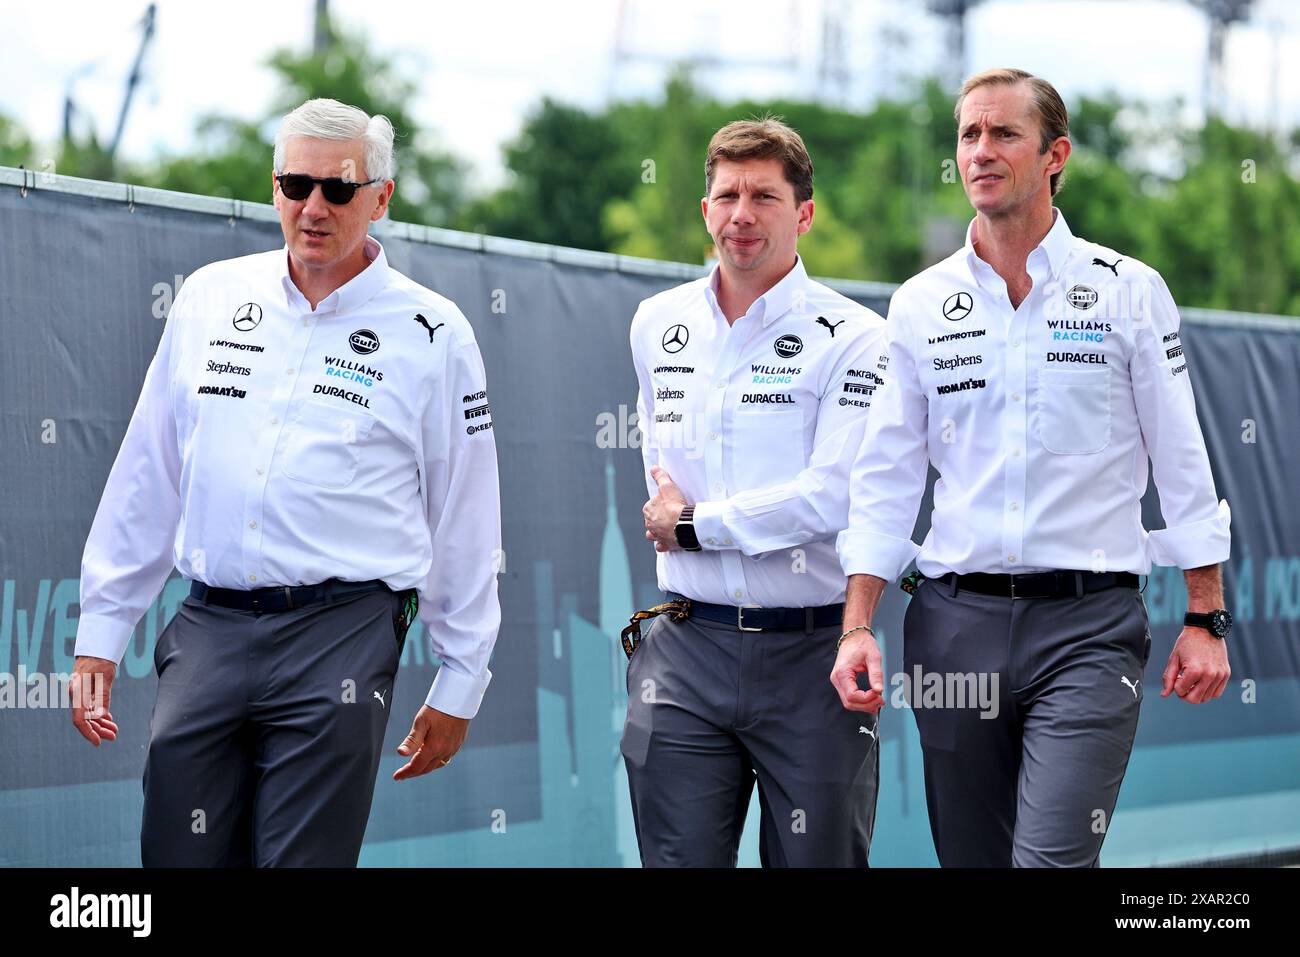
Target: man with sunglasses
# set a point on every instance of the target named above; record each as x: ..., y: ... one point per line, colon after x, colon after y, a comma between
x: 312, y: 448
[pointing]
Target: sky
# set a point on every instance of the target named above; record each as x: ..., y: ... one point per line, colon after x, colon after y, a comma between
x: 481, y: 65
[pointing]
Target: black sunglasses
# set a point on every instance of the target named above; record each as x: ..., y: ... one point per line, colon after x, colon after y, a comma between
x: 338, y: 191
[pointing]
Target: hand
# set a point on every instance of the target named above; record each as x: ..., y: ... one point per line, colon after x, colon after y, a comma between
x: 1198, y: 667
x: 434, y: 740
x: 662, y: 512
x: 91, y: 686
x: 859, y: 653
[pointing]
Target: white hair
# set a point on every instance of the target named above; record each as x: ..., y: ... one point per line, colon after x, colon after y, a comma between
x: 331, y: 120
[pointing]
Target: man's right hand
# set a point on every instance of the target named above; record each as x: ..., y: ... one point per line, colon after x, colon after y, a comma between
x: 92, y: 683
x: 858, y: 653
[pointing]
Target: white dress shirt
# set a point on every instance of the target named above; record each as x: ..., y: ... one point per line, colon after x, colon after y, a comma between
x: 276, y: 445
x: 1040, y: 421
x: 757, y: 423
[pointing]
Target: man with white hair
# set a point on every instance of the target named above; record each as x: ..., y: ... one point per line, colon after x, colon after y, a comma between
x: 312, y: 448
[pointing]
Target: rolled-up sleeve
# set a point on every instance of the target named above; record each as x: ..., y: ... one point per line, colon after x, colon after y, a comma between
x: 130, y: 548
x: 889, y: 473
x: 1197, y: 522
x: 458, y: 600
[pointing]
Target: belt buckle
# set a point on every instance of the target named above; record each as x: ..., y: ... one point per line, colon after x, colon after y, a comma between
x: 1014, y: 596
x: 740, y: 617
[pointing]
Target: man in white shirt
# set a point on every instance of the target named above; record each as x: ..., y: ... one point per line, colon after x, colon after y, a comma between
x: 755, y: 383
x: 312, y: 448
x: 1038, y: 373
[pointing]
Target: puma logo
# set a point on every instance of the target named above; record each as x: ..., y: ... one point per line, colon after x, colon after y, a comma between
x: 1134, y: 687
x: 863, y: 730
x: 1102, y: 262
x: 425, y: 322
x: 822, y: 321
x: 380, y: 698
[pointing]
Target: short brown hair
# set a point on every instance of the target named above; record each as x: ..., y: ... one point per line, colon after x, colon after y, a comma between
x: 767, y: 138
x: 1053, y: 120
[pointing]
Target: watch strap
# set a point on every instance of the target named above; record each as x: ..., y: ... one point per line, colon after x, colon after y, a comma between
x: 685, y: 530
x: 1209, y: 621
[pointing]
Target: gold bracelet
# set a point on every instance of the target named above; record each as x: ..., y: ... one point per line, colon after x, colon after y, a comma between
x: 866, y: 628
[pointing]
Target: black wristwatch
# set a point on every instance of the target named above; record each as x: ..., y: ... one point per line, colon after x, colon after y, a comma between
x: 685, y: 530
x: 1217, y: 622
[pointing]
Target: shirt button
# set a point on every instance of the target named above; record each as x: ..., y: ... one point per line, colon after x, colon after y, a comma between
x: 1011, y: 559
x: 252, y: 578
x: 713, y: 436
x: 252, y: 524
x: 1015, y: 343
x: 1014, y: 506
x: 1015, y: 396
x: 304, y: 322
x: 717, y: 487
x: 737, y: 593
x: 259, y: 471
x: 275, y: 420
x: 288, y: 372
x: 1015, y: 453
x: 710, y: 541
x: 720, y: 385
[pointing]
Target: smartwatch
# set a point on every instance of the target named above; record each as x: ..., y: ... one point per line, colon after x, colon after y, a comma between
x: 685, y: 530
x: 1217, y: 622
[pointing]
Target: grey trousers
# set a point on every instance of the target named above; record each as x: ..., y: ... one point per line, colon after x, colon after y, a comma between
x: 266, y: 734
x: 711, y: 710
x: 1036, y: 785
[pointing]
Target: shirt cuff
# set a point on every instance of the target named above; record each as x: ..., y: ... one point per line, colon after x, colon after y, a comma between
x: 871, y: 553
x: 1194, y: 545
x: 710, y: 529
x: 456, y: 693
x: 101, y: 636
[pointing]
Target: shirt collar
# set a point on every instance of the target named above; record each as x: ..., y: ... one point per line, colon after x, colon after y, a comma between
x: 774, y: 303
x: 354, y: 293
x: 1055, y: 246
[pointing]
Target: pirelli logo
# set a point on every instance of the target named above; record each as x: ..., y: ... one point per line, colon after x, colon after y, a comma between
x: 1174, y: 353
x: 857, y: 389
x: 477, y: 411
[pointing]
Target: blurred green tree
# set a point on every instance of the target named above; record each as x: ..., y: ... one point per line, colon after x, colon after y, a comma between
x: 564, y: 167
x: 16, y: 147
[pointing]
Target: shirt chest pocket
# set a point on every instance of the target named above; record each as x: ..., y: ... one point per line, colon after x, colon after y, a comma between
x: 322, y: 444
x: 1073, y: 410
x: 766, y: 447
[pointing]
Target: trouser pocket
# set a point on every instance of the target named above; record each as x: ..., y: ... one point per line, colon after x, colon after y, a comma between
x: 406, y: 604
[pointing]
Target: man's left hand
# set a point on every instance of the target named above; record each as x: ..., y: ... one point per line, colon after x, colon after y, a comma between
x: 434, y: 740
x: 662, y: 512
x: 1198, y: 667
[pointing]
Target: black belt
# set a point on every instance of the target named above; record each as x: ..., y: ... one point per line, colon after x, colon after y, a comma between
x: 765, y: 619
x: 1057, y: 584
x: 282, y: 598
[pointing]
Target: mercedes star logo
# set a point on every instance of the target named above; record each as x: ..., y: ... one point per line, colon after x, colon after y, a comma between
x: 675, y: 338
x: 957, y: 306
x: 248, y: 316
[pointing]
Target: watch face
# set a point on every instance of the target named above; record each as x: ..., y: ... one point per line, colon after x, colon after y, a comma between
x: 1220, y: 623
